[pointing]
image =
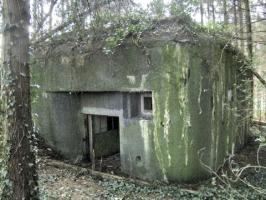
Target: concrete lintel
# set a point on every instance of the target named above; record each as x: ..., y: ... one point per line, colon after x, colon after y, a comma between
x: 102, y: 111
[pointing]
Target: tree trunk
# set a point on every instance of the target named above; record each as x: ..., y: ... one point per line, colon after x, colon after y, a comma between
x: 208, y: 10
x: 50, y: 20
x: 225, y: 12
x: 235, y: 22
x: 41, y: 12
x: 63, y: 11
x: 201, y: 12
x: 248, y: 29
x: 213, y: 11
x: 21, y: 167
x: 241, y: 27
x: 249, y: 50
x: 39, y: 17
x: 34, y: 14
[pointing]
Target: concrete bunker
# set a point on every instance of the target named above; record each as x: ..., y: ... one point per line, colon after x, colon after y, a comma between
x: 181, y: 94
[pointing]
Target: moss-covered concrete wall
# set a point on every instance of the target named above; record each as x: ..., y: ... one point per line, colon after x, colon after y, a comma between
x: 196, y: 92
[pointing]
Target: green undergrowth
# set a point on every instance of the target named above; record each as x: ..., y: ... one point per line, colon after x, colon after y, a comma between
x: 129, y: 190
x: 253, y: 187
x: 64, y: 181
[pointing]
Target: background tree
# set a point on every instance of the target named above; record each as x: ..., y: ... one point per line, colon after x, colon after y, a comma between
x: 248, y: 29
x: 157, y: 8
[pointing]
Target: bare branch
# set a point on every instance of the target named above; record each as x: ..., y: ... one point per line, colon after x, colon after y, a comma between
x: 49, y: 14
x: 259, y: 77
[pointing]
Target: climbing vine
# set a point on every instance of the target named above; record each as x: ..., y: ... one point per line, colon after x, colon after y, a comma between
x: 4, y: 146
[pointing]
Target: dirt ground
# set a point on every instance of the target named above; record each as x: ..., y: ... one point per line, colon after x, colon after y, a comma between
x: 62, y: 181
x: 65, y: 183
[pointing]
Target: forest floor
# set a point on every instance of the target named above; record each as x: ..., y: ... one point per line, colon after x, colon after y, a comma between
x: 62, y: 181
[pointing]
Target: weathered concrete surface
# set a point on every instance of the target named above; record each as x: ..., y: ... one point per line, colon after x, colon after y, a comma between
x: 58, y: 113
x: 198, y: 99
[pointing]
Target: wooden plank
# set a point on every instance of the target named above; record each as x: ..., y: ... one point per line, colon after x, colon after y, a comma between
x: 86, y: 137
x: 92, y: 157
